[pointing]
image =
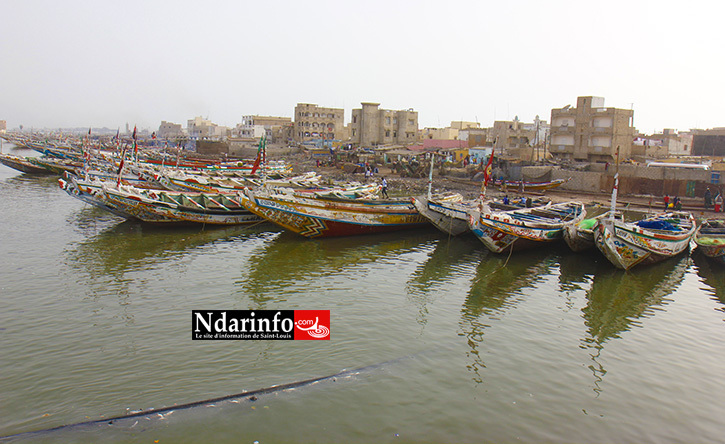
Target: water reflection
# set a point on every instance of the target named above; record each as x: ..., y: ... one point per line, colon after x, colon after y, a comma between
x: 713, y: 276
x: 286, y: 259
x: 130, y: 246
x: 496, y: 288
x: 617, y: 300
x: 451, y: 256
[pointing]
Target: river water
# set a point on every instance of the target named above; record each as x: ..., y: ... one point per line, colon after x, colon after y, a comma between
x: 454, y: 344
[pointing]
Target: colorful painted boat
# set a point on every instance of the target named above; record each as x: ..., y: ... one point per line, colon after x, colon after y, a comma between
x: 524, y: 228
x: 186, y: 181
x: 23, y: 164
x: 580, y: 236
x: 449, y: 211
x: 161, y: 206
x: 530, y: 186
x: 323, y: 216
x: 647, y: 241
x: 710, y: 239
x: 56, y: 165
x: 90, y: 191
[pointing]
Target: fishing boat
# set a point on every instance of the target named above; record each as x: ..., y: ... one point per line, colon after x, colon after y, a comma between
x: 90, y: 191
x: 161, y: 206
x: 449, y: 211
x: 23, y: 164
x: 580, y: 236
x: 531, y: 186
x: 187, y: 181
x: 325, y: 215
x: 646, y: 241
x: 710, y: 239
x: 524, y: 228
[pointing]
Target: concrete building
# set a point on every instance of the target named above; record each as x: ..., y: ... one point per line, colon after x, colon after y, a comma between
x: 3, y: 126
x: 590, y: 132
x: 372, y: 126
x: 476, y: 137
x: 709, y: 142
x: 314, y: 122
x: 257, y: 126
x: 662, y: 145
x: 169, y: 130
x: 458, y: 130
x: 446, y: 133
x: 518, y: 140
x: 200, y: 128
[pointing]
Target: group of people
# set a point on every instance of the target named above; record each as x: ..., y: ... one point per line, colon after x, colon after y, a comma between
x: 715, y: 204
x: 718, y: 207
x: 672, y: 204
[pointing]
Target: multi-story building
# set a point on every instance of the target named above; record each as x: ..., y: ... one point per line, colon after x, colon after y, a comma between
x: 665, y: 144
x: 476, y: 137
x: 3, y: 126
x: 257, y: 126
x: 200, y: 128
x: 591, y: 132
x: 372, y: 126
x: 710, y: 142
x: 169, y: 130
x: 314, y: 122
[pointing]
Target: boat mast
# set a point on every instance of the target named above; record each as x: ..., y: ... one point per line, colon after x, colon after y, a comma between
x: 613, y: 205
x: 430, y: 175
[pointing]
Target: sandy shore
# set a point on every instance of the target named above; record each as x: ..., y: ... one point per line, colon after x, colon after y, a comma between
x: 405, y: 186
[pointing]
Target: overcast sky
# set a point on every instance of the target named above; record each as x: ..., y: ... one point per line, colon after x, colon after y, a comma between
x: 107, y: 63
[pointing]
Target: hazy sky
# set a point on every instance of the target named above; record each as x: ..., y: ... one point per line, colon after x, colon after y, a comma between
x: 105, y: 63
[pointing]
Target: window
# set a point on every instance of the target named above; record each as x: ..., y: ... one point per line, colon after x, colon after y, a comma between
x: 354, y: 119
x: 387, y: 133
x: 354, y: 133
x: 387, y: 120
x: 411, y: 122
x: 395, y: 120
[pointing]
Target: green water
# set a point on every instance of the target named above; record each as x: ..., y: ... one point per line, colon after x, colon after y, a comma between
x: 544, y: 346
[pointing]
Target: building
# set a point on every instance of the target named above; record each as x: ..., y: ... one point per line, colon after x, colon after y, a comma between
x: 3, y: 126
x: 518, y: 140
x: 590, y: 132
x: 313, y: 122
x: 662, y: 145
x: 276, y: 129
x: 709, y: 142
x: 372, y: 126
x: 458, y: 130
x: 200, y: 128
x: 169, y: 130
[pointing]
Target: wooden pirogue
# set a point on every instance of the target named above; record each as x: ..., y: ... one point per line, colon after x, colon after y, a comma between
x: 524, y: 228
x: 325, y: 215
x: 646, y: 241
x: 710, y: 239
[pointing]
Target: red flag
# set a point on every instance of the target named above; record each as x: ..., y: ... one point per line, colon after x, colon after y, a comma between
x: 255, y: 167
x: 488, y: 171
x: 135, y: 146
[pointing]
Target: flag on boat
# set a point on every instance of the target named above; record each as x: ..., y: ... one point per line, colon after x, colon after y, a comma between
x: 260, y: 150
x: 135, y: 145
x: 488, y: 171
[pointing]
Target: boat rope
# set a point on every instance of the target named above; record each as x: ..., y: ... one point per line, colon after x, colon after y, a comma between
x: 251, y: 395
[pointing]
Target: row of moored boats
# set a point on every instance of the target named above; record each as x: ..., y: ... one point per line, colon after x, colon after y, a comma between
x: 235, y: 193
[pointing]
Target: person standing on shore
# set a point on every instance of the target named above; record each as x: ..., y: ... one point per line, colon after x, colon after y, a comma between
x: 667, y: 201
x: 384, y: 190
x: 718, y: 203
x: 708, y: 198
